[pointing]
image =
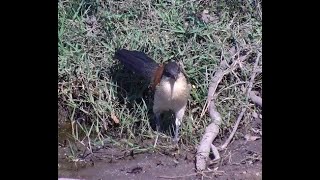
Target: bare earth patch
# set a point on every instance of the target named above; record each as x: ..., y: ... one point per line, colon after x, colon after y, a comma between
x: 242, y: 160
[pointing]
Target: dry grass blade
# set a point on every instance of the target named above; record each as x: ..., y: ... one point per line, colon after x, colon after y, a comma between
x: 114, y: 118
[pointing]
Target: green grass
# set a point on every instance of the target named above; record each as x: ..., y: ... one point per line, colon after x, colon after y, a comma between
x: 92, y: 85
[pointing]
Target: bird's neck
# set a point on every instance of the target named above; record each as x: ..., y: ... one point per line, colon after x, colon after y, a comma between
x: 157, y: 77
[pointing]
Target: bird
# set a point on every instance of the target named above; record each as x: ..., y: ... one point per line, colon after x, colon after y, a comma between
x: 167, y: 80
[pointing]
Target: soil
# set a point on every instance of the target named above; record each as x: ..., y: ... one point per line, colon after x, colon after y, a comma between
x: 242, y: 160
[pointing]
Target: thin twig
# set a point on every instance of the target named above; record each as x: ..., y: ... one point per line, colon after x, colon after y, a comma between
x: 225, y: 68
x: 228, y: 87
x: 214, y: 85
x: 254, y: 98
x: 155, y: 142
x: 215, y: 82
x: 253, y: 75
x: 233, y: 130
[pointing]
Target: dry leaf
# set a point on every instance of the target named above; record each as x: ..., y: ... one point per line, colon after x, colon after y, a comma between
x: 257, y: 131
x: 232, y: 51
x: 114, y: 118
x: 206, y: 17
x: 242, y: 58
x: 254, y: 114
x: 248, y: 137
x: 243, y: 89
x: 91, y: 26
x: 205, y: 11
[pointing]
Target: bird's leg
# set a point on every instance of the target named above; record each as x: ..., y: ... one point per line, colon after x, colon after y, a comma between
x: 179, y: 116
x: 157, y: 122
x: 176, y: 134
x: 157, y: 118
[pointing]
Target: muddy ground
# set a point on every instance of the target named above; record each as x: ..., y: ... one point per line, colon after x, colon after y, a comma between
x: 242, y: 160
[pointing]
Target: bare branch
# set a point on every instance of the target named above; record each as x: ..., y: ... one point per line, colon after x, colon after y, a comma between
x: 212, y: 129
x: 253, y: 75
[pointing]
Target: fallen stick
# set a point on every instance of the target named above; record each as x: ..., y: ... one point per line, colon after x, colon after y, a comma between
x: 212, y: 129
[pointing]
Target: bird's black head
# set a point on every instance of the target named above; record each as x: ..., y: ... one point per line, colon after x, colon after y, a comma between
x: 171, y: 70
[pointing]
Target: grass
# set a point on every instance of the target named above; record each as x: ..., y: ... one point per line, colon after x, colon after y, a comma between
x: 93, y: 87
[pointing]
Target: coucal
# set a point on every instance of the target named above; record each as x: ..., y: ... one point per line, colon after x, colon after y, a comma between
x: 167, y: 80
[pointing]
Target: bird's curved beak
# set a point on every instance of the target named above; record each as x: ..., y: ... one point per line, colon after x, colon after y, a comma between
x: 175, y: 77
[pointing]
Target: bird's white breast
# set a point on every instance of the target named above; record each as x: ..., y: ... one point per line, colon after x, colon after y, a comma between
x: 170, y: 94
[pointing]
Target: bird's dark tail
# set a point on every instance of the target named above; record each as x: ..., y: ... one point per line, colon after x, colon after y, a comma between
x: 137, y: 62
